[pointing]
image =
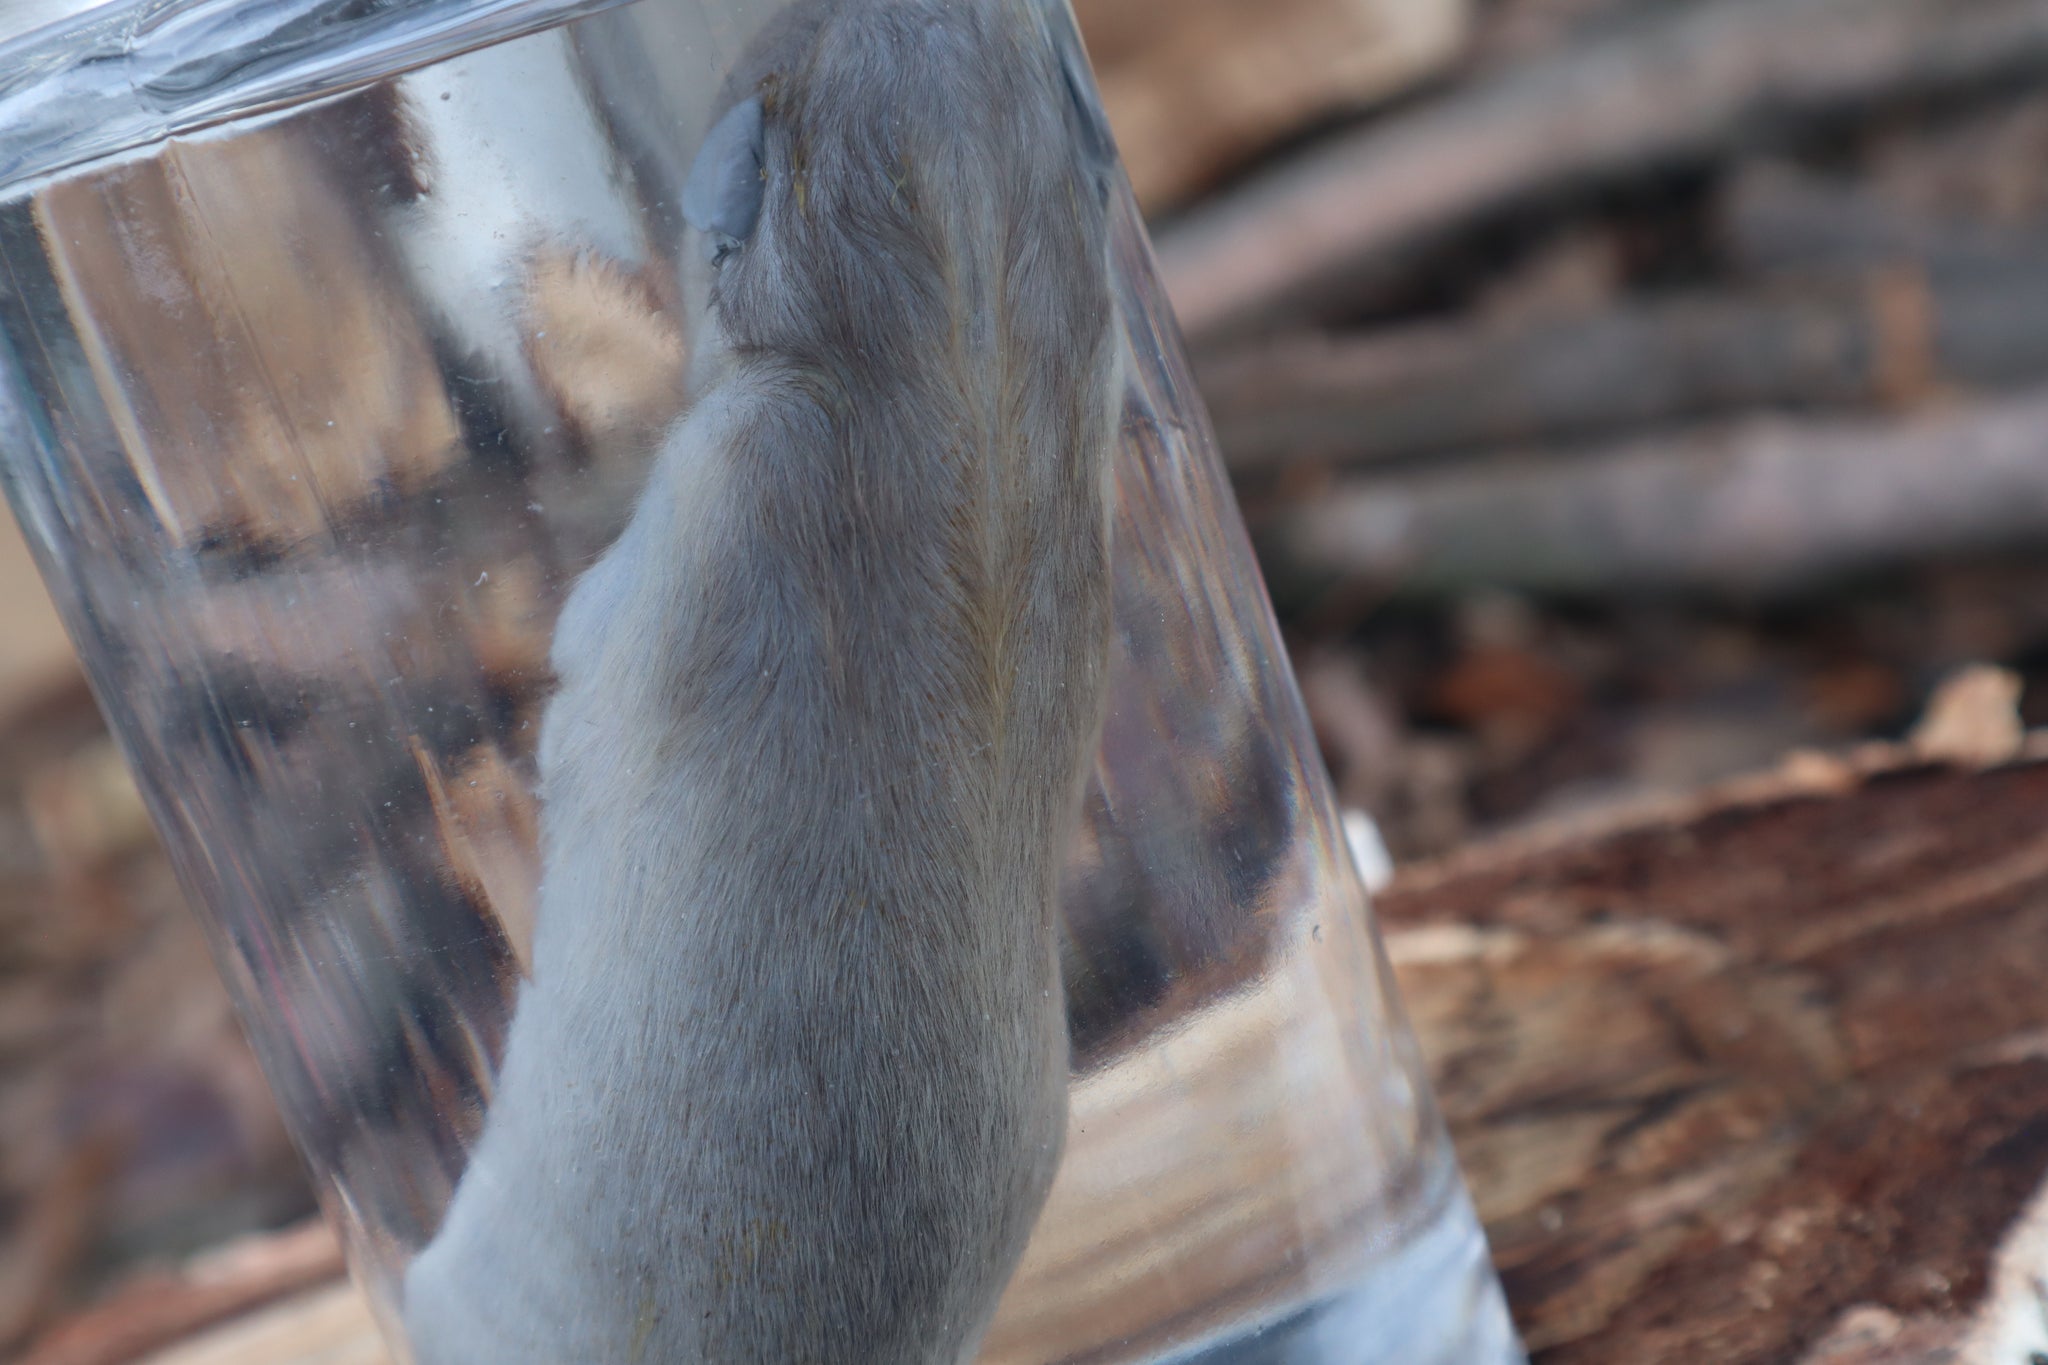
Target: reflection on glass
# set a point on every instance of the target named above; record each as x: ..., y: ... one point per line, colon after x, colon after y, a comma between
x: 318, y: 413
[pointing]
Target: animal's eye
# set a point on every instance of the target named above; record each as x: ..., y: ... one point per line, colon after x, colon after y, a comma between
x: 722, y: 195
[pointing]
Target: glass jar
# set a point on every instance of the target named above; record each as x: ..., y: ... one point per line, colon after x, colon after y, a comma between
x: 341, y: 342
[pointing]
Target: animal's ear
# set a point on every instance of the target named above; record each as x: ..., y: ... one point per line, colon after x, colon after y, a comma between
x: 722, y: 196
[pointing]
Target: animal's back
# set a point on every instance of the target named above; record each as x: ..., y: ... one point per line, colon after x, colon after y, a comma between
x: 788, y: 1082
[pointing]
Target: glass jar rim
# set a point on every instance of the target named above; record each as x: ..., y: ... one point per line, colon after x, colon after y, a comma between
x: 83, y: 79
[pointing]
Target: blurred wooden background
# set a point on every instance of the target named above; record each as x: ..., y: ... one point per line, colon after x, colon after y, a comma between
x: 1626, y: 396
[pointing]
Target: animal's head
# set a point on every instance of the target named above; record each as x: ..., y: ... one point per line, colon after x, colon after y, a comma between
x: 880, y: 163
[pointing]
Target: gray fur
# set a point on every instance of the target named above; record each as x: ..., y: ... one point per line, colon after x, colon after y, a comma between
x: 788, y: 1083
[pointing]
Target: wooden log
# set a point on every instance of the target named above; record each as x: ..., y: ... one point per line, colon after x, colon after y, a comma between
x: 1726, y: 1071
x: 1756, y: 506
x: 1689, y: 84
x: 1887, y: 337
x: 1774, y: 219
x: 253, y: 400
x: 222, y: 1286
x: 324, y: 1326
x: 1195, y: 88
x: 132, y: 1114
x: 1517, y: 30
x: 1755, y: 1076
x: 38, y: 661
